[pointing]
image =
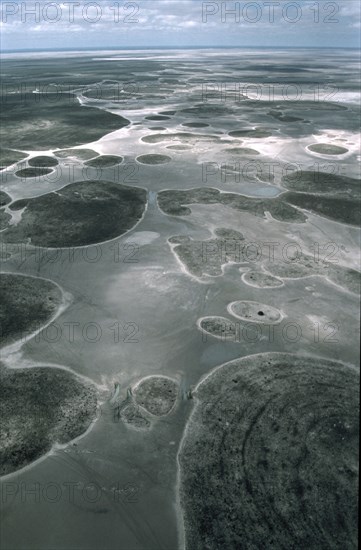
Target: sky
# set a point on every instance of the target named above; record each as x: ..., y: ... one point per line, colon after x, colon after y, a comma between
x: 33, y: 25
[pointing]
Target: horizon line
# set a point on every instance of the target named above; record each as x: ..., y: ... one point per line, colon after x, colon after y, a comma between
x: 195, y: 47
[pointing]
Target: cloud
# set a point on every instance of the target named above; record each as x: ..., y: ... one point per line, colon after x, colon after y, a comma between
x: 350, y: 8
x: 159, y: 22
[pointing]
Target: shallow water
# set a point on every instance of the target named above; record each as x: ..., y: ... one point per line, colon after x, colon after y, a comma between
x: 145, y: 303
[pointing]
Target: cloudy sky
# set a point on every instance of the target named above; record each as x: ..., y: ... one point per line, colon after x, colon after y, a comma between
x: 43, y: 24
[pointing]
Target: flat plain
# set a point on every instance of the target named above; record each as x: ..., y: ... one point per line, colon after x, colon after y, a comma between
x: 181, y: 282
